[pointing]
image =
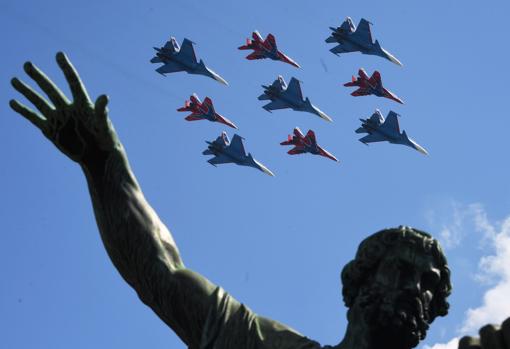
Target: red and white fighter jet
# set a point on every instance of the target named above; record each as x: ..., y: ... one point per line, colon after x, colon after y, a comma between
x: 265, y: 49
x: 371, y: 86
x: 204, y: 111
x: 306, y: 144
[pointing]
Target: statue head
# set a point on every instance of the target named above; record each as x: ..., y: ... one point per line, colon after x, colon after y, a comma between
x: 396, y: 286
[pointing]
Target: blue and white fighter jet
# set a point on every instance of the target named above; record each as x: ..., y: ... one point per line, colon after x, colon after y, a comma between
x: 283, y: 96
x: 182, y: 58
x: 227, y: 151
x: 380, y: 130
x: 352, y: 39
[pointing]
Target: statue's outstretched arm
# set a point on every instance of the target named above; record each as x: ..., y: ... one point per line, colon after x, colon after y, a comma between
x: 137, y: 242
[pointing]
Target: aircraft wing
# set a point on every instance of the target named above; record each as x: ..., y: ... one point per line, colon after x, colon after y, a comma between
x: 276, y: 104
x: 363, y: 74
x: 377, y: 117
x: 362, y: 32
x: 194, y: 117
x: 344, y: 48
x: 220, y: 159
x: 171, y: 45
x: 237, y: 145
x: 361, y: 92
x: 376, y: 78
x: 348, y: 26
x: 187, y: 51
x: 170, y: 67
x: 374, y: 137
x: 391, y: 123
x: 256, y: 36
x: 296, y: 150
x: 294, y: 89
x: 255, y: 55
x: 194, y: 99
x: 270, y: 41
x: 279, y: 83
x: 208, y: 104
x: 310, y: 136
x: 298, y: 133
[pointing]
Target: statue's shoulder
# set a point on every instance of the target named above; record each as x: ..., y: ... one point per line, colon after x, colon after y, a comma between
x: 277, y: 335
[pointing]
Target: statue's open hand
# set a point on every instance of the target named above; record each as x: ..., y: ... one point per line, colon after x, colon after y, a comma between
x: 491, y: 337
x: 80, y: 129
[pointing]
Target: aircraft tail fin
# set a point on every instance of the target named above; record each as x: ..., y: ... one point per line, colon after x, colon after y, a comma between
x: 288, y: 141
x: 247, y: 46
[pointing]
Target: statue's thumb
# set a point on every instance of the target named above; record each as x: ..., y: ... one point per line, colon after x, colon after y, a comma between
x: 100, y: 106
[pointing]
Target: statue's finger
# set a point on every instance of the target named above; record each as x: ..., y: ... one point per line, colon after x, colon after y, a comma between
x: 469, y: 342
x: 505, y: 330
x: 100, y: 106
x: 56, y: 96
x: 79, y: 92
x: 28, y: 113
x: 32, y: 96
x: 491, y: 337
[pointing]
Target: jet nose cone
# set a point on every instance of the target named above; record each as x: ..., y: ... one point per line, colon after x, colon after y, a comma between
x: 220, y: 79
x: 263, y: 168
x: 392, y: 58
x: 422, y: 150
x: 321, y: 114
x: 419, y: 148
x: 397, y: 99
x: 216, y: 77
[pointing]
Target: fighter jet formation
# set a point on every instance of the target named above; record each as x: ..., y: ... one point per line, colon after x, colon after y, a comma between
x: 283, y: 96
x: 371, y: 86
x: 265, y: 48
x: 348, y: 37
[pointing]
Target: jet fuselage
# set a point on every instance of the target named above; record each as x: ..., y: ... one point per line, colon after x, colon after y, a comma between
x: 220, y: 149
x: 341, y: 36
x: 373, y: 127
x: 274, y: 93
x: 269, y: 52
x: 166, y: 57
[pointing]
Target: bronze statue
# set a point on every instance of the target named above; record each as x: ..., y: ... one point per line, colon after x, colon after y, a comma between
x: 394, y: 288
x: 491, y: 337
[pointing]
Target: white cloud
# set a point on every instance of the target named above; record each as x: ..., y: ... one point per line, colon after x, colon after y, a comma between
x: 495, y: 307
x: 494, y: 269
x: 454, y: 220
x: 450, y: 345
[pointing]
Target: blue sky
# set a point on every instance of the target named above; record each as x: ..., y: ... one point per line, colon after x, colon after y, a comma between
x: 277, y: 244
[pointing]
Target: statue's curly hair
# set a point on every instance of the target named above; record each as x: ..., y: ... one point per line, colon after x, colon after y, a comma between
x: 373, y: 248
